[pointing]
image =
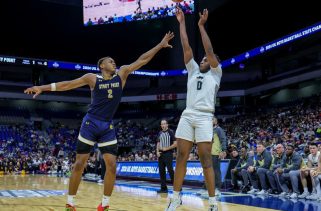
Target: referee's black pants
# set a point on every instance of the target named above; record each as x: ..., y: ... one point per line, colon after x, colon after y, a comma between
x: 217, y: 171
x: 165, y: 160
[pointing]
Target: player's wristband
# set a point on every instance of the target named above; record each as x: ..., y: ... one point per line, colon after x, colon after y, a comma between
x: 53, y: 87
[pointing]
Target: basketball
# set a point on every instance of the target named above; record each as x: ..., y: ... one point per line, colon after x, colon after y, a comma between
x: 177, y: 1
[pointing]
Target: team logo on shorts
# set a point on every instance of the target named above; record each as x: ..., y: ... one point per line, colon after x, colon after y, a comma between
x: 111, y: 127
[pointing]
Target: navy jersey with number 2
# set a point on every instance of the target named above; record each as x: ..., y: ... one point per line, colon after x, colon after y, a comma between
x: 97, y: 125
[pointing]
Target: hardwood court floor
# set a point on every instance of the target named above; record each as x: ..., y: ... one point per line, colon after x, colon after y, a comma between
x: 35, y: 193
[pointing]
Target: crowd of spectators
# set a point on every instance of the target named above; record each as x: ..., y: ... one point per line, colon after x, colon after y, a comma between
x: 138, y: 14
x: 298, y: 123
x: 34, y: 150
x: 25, y: 148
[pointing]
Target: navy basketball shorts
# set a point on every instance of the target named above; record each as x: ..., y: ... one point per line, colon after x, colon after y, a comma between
x: 93, y: 131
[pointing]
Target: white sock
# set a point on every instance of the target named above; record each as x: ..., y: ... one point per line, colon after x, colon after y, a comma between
x: 105, y: 201
x: 176, y: 194
x: 212, y: 200
x: 305, y: 190
x: 70, y: 199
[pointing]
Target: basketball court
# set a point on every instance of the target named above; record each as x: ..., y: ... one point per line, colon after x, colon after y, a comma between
x: 44, y: 192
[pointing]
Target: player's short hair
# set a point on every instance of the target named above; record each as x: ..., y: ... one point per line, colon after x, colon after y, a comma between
x: 216, y: 56
x: 164, y: 120
x: 101, y: 61
x: 290, y: 145
x: 313, y: 144
x: 244, y: 147
x: 260, y: 143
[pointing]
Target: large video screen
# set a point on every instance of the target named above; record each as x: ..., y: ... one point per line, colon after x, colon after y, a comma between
x: 118, y: 11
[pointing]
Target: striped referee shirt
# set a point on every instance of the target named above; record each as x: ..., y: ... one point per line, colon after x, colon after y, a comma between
x: 166, y: 139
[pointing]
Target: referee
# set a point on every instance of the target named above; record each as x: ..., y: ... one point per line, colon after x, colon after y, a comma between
x: 165, y: 145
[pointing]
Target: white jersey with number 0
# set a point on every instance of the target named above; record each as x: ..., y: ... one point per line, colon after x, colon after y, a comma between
x: 202, y: 87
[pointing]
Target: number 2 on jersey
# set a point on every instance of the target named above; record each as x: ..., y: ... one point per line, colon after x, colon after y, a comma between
x: 110, y: 93
x: 199, y: 85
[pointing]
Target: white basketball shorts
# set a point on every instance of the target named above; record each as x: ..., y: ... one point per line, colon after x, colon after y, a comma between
x: 195, y: 126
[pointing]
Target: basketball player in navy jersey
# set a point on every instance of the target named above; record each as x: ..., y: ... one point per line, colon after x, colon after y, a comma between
x: 97, y: 125
x: 195, y: 124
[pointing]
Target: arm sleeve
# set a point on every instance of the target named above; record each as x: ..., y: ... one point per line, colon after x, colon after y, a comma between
x: 297, y: 159
x: 275, y: 165
x: 250, y: 162
x: 256, y: 164
x: 238, y: 165
x: 172, y: 135
x: 283, y: 163
x: 267, y: 160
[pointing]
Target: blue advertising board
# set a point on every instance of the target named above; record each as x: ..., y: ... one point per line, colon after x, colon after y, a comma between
x: 149, y: 169
x: 226, y: 63
x: 61, y: 65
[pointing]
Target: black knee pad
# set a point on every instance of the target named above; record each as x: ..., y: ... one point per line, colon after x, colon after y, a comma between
x: 111, y: 149
x: 83, y: 148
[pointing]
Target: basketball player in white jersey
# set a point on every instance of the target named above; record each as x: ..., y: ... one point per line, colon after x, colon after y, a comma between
x: 305, y: 172
x: 195, y: 124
